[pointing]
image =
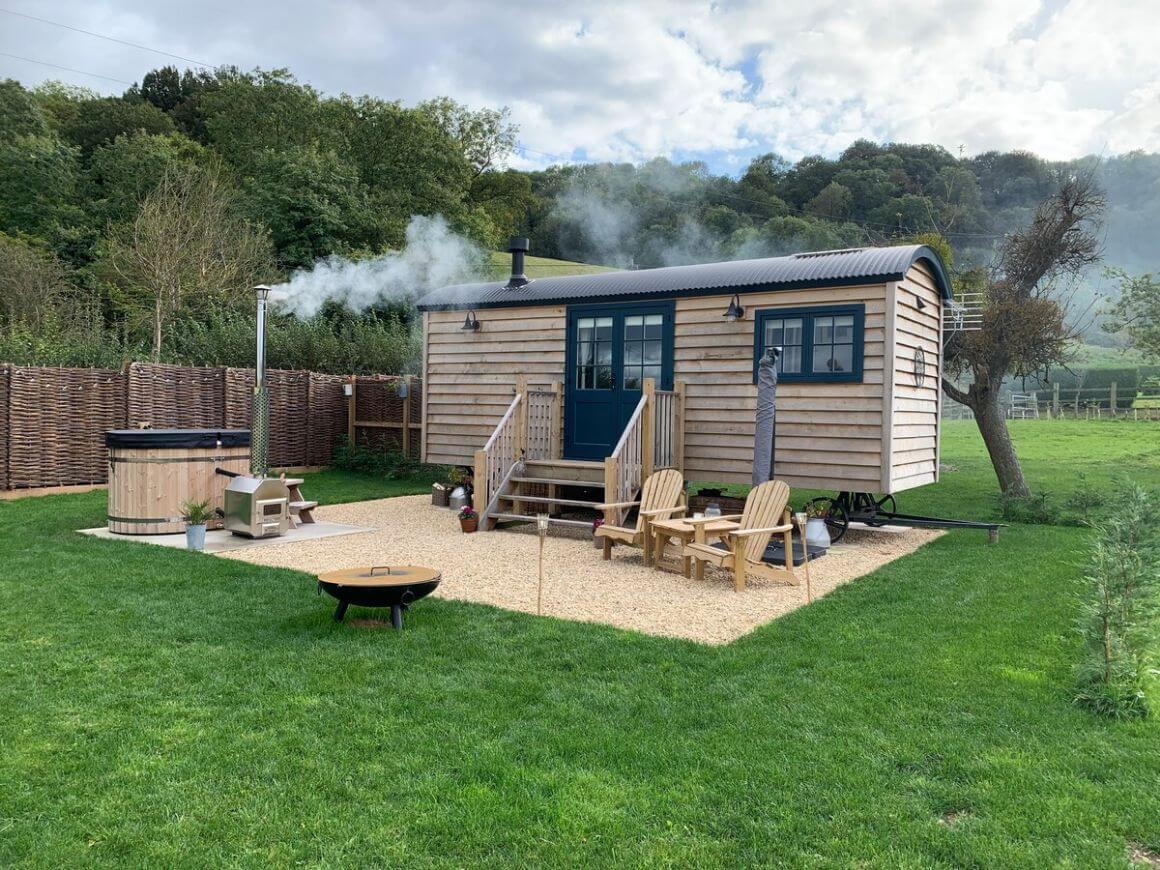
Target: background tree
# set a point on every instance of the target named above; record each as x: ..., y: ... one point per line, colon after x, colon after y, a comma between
x: 97, y: 122
x: 314, y: 204
x: 33, y: 284
x: 1025, y: 328
x: 185, y: 250
x: 1137, y: 311
x: 121, y: 173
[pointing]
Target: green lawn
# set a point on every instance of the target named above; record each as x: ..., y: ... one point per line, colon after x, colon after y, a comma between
x: 1059, y: 458
x: 540, y: 267
x: 163, y: 708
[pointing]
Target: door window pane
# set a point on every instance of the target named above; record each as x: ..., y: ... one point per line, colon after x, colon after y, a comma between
x: 643, y: 347
x: 594, y: 353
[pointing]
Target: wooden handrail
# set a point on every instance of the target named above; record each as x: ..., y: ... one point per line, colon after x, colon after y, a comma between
x: 496, y: 458
x: 503, y: 421
x: 624, y: 436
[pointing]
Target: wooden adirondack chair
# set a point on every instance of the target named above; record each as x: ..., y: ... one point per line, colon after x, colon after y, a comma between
x: 661, y: 497
x: 765, y: 515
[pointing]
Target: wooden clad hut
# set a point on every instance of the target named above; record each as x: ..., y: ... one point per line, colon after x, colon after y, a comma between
x: 599, y: 379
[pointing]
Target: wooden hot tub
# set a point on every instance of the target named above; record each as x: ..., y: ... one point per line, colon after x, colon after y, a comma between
x: 153, y: 471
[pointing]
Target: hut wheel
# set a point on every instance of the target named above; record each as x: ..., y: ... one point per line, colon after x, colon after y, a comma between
x: 885, y: 505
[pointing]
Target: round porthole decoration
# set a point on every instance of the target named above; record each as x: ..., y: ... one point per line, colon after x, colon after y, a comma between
x: 919, y: 367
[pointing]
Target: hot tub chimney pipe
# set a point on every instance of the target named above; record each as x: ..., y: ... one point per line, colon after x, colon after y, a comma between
x: 260, y: 417
x: 518, y: 246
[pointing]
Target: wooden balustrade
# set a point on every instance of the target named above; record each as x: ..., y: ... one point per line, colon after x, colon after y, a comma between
x: 669, y: 429
x: 532, y: 428
x: 497, y: 456
x: 544, y: 415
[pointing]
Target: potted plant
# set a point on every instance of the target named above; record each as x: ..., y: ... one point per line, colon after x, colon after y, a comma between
x: 596, y: 542
x: 197, y: 515
x: 816, y: 511
x: 468, y: 519
x: 460, y: 488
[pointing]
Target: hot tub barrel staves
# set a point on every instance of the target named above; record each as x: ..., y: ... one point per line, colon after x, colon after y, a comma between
x: 152, y: 472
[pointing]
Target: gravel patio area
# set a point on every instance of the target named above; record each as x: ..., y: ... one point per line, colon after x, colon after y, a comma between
x: 499, y: 568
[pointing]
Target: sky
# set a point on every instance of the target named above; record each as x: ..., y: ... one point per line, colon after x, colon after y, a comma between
x: 634, y: 79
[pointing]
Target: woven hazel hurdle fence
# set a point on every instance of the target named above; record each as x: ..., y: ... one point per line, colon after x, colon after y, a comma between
x: 53, y: 420
x: 386, y: 413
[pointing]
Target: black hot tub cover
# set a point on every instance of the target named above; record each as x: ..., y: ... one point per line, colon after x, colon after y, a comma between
x: 177, y: 438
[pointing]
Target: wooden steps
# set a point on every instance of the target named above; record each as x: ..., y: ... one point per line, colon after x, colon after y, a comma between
x: 570, y: 470
x: 569, y: 502
x: 555, y: 481
x: 556, y: 521
x: 533, y: 489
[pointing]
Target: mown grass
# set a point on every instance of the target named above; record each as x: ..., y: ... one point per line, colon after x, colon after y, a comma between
x: 172, y: 709
x: 1059, y: 458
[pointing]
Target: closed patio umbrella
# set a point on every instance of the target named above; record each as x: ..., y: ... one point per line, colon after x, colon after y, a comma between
x: 765, y: 430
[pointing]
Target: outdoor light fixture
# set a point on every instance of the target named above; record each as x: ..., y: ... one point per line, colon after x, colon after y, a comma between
x: 262, y: 292
x: 734, y: 312
x: 348, y: 389
x: 921, y: 304
x: 542, y: 528
x: 470, y: 322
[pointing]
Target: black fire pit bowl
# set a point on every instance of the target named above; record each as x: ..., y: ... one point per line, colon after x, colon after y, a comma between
x: 396, y: 587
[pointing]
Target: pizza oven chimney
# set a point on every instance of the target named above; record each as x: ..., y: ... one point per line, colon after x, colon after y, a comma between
x: 518, y: 246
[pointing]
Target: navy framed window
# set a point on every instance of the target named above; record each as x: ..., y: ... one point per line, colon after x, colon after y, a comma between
x: 819, y: 344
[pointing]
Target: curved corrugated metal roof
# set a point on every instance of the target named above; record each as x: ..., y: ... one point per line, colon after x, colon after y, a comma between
x: 817, y: 269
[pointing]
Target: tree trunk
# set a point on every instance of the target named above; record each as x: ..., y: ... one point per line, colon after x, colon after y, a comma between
x: 993, y: 428
x: 157, y: 330
x: 984, y: 402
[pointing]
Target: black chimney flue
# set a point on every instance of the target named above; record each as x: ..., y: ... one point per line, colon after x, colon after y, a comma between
x: 518, y: 246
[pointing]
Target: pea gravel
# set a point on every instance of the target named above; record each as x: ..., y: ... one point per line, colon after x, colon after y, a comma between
x: 500, y: 568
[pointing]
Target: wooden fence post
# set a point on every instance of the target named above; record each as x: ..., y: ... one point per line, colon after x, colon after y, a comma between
x: 648, y: 428
x: 350, y: 410
x: 679, y: 434
x: 610, y: 490
x: 407, y: 417
x: 1112, y: 398
x: 522, y: 416
x: 479, y: 495
x: 1055, y: 400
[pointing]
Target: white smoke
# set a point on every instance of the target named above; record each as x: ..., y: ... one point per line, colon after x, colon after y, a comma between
x: 433, y: 256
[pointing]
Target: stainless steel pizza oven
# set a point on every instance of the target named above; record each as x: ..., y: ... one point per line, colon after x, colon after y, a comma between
x: 257, y: 507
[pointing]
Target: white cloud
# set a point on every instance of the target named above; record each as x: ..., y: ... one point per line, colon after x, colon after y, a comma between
x: 627, y: 81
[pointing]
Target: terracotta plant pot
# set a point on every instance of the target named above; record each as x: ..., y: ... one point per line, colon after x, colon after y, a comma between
x: 470, y: 525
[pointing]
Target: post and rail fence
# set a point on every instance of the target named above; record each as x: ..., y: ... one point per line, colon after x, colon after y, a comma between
x: 1070, y: 403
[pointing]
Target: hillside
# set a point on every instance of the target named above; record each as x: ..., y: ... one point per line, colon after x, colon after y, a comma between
x: 541, y: 267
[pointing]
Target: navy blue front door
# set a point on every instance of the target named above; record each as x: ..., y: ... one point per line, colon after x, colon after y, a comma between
x: 611, y: 350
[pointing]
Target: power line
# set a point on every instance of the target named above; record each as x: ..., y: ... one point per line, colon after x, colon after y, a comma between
x: 65, y: 68
x: 105, y: 37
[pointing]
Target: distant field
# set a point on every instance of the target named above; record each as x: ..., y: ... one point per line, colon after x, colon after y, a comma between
x: 1094, y: 356
x: 1059, y: 458
x: 542, y: 267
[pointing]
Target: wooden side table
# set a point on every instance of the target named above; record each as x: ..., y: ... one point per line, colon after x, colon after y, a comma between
x: 664, y: 530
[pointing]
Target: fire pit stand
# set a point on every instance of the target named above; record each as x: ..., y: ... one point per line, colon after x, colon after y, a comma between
x: 393, y: 586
